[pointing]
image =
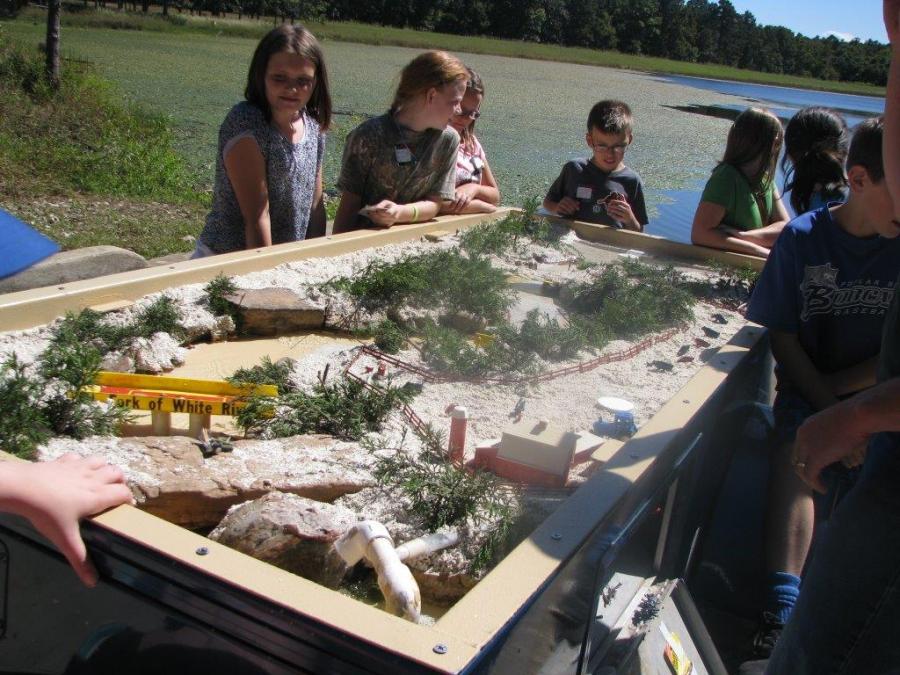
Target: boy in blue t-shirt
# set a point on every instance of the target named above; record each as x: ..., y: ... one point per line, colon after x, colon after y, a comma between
x: 602, y: 189
x: 823, y: 295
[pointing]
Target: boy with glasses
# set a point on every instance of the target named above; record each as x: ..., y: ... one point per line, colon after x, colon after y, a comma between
x: 602, y: 189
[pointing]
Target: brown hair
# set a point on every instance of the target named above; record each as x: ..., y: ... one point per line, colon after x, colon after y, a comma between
x: 429, y: 70
x: 865, y: 148
x: 476, y: 85
x: 293, y: 40
x: 610, y: 117
x: 755, y: 135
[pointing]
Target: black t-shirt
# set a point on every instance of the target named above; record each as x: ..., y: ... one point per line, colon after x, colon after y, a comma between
x: 581, y: 179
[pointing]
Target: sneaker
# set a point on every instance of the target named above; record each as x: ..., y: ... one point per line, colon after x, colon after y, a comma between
x: 766, y: 635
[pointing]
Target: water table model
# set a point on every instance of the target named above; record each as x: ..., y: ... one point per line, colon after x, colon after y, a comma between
x: 596, y: 574
x: 162, y: 396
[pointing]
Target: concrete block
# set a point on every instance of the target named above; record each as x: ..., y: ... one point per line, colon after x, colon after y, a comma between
x: 67, y: 266
x: 275, y: 311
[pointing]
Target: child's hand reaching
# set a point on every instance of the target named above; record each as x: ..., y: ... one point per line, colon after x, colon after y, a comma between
x: 55, y: 495
x: 567, y: 206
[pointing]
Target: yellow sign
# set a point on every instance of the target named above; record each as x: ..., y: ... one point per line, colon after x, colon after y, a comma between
x: 174, y: 394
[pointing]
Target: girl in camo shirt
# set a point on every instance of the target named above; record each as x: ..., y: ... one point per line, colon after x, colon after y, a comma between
x: 399, y: 167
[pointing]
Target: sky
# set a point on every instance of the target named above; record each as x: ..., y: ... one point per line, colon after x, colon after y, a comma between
x: 850, y: 18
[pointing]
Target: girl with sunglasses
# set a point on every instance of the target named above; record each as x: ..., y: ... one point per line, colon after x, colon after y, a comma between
x: 476, y: 188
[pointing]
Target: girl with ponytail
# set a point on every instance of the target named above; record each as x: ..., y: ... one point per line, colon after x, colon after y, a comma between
x: 815, y: 149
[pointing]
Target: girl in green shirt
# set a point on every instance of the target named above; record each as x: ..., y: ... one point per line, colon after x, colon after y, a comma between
x: 740, y: 210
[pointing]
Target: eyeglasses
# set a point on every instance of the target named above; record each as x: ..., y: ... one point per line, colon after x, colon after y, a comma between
x: 471, y: 114
x: 619, y: 148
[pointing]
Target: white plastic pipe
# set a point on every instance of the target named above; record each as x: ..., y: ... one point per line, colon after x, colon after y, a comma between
x: 370, y: 540
x: 397, y: 584
x: 426, y: 544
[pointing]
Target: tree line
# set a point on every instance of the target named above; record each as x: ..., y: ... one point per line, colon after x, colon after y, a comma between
x: 684, y: 30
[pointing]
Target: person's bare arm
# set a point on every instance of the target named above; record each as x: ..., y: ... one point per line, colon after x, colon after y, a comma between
x: 766, y: 236
x: 387, y: 213
x: 488, y: 191
x: 800, y: 371
x: 246, y: 170
x: 707, y: 230
x: 832, y: 434
x: 346, y: 218
x: 779, y: 212
x: 317, y: 217
x: 891, y: 139
x: 468, y: 200
x: 55, y: 495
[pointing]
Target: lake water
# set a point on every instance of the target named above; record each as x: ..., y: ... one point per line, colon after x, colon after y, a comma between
x: 675, y: 208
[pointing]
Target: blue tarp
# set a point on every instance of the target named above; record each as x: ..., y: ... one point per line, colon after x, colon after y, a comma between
x: 20, y: 245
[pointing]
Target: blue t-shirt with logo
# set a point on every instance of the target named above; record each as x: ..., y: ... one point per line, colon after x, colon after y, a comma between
x: 830, y: 288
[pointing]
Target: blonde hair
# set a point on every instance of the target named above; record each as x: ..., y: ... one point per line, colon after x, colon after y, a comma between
x: 756, y: 134
x: 429, y: 70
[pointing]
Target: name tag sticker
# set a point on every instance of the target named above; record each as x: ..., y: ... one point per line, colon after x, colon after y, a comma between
x: 403, y: 154
x: 584, y: 192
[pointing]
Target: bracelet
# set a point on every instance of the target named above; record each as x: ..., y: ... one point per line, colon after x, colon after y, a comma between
x: 415, y: 216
